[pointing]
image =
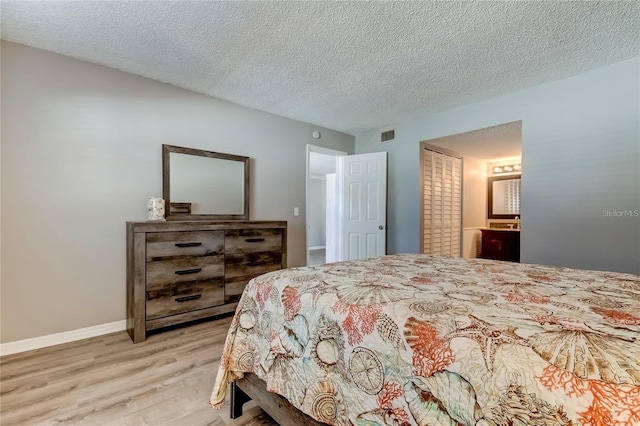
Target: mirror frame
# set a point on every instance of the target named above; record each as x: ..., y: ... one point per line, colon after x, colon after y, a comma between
x: 166, y: 183
x: 490, y: 181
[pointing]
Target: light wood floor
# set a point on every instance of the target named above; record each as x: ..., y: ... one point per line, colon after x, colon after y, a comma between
x: 107, y: 380
x: 317, y: 257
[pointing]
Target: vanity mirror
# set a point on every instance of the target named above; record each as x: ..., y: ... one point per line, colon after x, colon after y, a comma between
x: 204, y: 185
x: 503, y: 197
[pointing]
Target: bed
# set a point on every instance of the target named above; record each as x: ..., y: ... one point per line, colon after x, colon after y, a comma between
x: 420, y: 340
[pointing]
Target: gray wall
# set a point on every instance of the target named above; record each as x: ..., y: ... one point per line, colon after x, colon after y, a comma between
x: 580, y: 153
x: 81, y: 154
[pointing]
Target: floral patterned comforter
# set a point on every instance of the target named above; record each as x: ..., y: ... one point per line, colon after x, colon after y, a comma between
x: 418, y: 339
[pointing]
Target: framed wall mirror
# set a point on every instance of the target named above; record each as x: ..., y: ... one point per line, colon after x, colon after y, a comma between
x: 204, y: 185
x: 503, y: 197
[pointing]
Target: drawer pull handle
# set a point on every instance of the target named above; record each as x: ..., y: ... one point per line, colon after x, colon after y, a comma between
x: 187, y: 298
x: 254, y: 240
x: 188, y: 271
x: 255, y: 263
x: 188, y: 244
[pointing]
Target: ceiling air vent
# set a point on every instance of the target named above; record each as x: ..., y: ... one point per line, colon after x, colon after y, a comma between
x: 387, y: 136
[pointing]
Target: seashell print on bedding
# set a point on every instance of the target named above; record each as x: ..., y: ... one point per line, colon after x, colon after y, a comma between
x: 373, y: 293
x: 605, y: 302
x: 327, y: 347
x: 489, y: 337
x: 250, y: 305
x: 427, y: 309
x: 455, y: 393
x: 274, y: 296
x: 243, y: 357
x: 366, y: 370
x: 247, y: 320
x: 248, y: 316
x: 378, y: 417
x: 591, y: 356
x: 524, y: 310
x: 323, y: 402
x: 288, y: 379
x: 264, y: 324
x: 519, y: 407
x: 420, y: 340
x: 389, y: 331
x: 565, y: 306
x: 294, y: 336
x: 610, y: 292
x: 445, y: 398
x: 468, y: 295
x: 307, y: 278
x: 327, y: 351
x: 630, y: 284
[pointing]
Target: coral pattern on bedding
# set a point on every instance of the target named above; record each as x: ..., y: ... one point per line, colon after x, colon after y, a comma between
x: 425, y: 340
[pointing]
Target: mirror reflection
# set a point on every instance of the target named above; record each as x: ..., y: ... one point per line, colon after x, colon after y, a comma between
x: 504, y: 197
x: 200, y: 184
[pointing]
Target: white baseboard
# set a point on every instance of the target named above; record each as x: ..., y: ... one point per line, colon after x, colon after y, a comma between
x: 317, y: 247
x: 59, y: 338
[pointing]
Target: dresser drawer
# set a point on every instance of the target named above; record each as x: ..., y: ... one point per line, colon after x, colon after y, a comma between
x: 184, y: 297
x: 167, y: 245
x: 241, y: 268
x: 164, y: 272
x: 253, y: 240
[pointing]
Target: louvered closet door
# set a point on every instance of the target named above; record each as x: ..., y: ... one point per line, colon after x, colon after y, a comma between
x: 442, y: 214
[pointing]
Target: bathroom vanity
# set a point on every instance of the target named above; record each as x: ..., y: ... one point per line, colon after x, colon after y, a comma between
x: 500, y: 244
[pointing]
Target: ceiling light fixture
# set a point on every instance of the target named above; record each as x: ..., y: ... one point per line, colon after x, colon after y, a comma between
x: 510, y: 168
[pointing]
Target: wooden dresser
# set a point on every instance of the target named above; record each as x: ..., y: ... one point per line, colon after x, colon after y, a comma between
x: 500, y: 244
x: 179, y: 271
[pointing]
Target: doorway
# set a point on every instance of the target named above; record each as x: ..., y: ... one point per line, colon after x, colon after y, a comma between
x: 488, y: 152
x: 320, y: 163
x: 346, y: 205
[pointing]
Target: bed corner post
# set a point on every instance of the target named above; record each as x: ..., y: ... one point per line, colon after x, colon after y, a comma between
x: 238, y: 399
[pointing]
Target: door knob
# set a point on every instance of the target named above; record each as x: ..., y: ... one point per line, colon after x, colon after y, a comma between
x: 380, y: 227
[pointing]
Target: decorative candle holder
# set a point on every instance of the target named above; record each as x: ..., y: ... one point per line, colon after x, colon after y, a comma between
x: 155, y: 206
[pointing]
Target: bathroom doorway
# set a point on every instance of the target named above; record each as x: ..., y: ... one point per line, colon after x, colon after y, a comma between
x: 483, y: 151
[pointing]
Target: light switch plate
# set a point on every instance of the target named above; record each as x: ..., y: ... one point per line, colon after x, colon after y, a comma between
x: 296, y: 211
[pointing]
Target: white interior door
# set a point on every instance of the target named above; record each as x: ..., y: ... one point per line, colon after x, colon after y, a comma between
x: 362, y: 205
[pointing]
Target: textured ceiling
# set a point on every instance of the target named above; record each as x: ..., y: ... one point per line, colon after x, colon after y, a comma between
x: 349, y: 66
x: 489, y: 144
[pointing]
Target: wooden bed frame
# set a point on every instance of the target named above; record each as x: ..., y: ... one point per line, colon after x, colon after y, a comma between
x: 276, y: 406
